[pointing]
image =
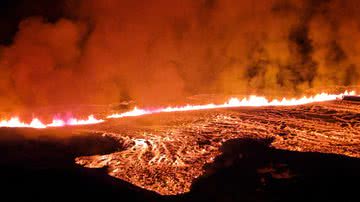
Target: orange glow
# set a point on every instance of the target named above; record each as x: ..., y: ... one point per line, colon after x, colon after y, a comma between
x: 36, y: 123
x: 16, y: 123
x: 91, y: 120
x: 251, y: 101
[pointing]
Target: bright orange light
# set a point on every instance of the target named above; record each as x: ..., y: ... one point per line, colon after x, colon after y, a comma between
x: 16, y: 123
x: 251, y: 101
x: 91, y: 120
x: 36, y: 123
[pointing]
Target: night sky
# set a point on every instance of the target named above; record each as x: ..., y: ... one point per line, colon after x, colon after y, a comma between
x: 13, y: 11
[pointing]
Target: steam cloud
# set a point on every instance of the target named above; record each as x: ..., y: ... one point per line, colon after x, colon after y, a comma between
x: 156, y: 51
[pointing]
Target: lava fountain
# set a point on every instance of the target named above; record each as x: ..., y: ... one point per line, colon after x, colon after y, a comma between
x: 15, y: 122
x: 251, y: 101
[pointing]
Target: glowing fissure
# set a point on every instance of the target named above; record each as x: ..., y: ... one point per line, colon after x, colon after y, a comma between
x: 15, y: 122
x: 251, y: 101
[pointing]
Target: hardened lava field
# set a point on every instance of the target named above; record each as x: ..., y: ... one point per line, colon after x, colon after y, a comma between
x: 165, y: 152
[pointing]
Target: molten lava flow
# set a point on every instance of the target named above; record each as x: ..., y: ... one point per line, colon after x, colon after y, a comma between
x: 36, y: 123
x: 252, y: 101
x: 16, y: 123
x: 91, y: 120
x: 167, y: 153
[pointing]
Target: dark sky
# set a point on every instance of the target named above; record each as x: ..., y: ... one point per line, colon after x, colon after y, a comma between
x: 13, y: 11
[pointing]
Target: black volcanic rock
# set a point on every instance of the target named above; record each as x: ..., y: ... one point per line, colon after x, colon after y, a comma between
x: 258, y: 172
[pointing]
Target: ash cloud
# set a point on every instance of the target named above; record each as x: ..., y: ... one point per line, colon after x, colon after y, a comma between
x: 158, y: 51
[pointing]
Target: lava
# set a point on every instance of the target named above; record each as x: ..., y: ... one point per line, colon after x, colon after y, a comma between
x: 168, y: 152
x: 166, y: 157
x: 251, y: 101
x: 15, y: 122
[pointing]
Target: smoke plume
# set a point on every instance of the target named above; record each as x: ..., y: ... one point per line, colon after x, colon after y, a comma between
x: 158, y: 51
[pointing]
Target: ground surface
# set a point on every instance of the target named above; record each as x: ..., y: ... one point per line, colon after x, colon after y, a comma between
x: 234, y: 154
x: 166, y: 152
